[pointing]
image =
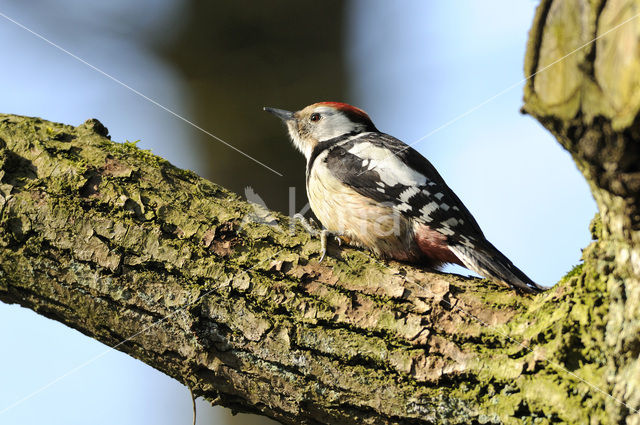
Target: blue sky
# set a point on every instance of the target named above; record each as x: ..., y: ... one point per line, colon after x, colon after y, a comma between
x: 414, y: 66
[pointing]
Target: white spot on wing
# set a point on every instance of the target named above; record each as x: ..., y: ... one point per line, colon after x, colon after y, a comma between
x: 446, y: 231
x: 403, y: 207
x: 428, y: 209
x: 408, y: 193
x: 389, y: 167
x: 451, y: 222
x: 438, y: 196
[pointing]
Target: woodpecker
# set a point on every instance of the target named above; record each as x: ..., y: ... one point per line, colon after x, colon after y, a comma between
x: 374, y: 191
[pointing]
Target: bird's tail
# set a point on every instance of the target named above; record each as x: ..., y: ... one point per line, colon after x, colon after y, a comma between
x: 489, y: 262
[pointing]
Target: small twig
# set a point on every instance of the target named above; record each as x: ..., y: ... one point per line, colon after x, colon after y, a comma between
x: 193, y: 405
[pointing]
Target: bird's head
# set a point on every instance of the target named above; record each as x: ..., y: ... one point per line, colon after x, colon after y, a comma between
x: 321, y: 122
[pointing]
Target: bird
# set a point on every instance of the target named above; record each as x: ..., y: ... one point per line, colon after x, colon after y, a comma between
x: 371, y: 190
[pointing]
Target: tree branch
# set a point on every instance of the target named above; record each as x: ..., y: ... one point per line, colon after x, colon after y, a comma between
x: 163, y: 265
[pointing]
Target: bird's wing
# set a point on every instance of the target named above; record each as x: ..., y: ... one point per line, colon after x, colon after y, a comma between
x: 389, y: 171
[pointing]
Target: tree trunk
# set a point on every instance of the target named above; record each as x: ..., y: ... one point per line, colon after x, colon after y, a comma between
x: 224, y: 297
x: 589, y: 98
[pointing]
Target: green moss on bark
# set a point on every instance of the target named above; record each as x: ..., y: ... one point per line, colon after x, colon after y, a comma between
x: 108, y: 239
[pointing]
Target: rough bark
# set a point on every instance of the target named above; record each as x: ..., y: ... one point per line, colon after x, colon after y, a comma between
x: 164, y: 265
x: 590, y: 101
x: 123, y: 246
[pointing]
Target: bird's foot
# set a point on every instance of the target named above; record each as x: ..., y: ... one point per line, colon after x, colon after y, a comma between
x: 324, y: 236
x: 313, y: 229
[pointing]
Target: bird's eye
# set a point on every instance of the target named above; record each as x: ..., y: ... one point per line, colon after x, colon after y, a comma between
x: 315, y: 117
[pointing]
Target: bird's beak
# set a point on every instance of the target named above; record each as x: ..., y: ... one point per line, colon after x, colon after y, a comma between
x: 280, y: 113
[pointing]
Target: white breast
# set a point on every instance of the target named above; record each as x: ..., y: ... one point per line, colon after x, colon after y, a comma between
x: 342, y: 210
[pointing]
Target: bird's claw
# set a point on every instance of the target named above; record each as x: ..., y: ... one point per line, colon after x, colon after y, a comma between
x: 324, y: 234
x: 323, y: 244
x: 311, y: 227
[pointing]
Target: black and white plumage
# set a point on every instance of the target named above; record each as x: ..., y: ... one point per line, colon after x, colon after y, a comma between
x: 375, y: 191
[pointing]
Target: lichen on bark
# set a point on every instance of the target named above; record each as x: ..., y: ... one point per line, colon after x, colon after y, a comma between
x: 110, y: 240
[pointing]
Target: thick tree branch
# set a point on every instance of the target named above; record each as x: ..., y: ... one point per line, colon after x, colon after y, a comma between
x: 136, y: 253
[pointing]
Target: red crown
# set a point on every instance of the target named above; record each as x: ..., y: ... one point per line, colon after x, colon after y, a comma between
x: 355, y: 114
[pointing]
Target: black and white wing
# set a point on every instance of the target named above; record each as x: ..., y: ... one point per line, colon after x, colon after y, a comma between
x: 389, y: 171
